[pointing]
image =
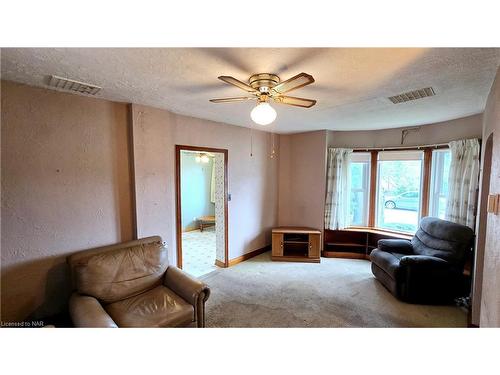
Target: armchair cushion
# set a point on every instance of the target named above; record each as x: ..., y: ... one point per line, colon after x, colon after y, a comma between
x: 443, y: 239
x: 158, y: 307
x: 87, y: 312
x: 396, y: 246
x: 119, y: 273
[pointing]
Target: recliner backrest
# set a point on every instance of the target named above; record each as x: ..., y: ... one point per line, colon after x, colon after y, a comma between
x: 443, y: 239
x: 116, y: 272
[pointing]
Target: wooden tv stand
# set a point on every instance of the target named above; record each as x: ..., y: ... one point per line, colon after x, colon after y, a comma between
x: 296, y: 244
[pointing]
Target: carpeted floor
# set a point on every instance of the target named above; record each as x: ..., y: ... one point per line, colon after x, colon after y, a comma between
x: 334, y: 293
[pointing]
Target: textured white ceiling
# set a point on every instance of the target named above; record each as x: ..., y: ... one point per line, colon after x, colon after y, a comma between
x: 352, y: 84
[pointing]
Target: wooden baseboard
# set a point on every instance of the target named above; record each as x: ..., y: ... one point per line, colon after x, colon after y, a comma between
x: 249, y: 255
x: 218, y: 263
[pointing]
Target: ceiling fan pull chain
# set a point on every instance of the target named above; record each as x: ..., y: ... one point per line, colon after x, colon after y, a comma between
x: 273, y: 151
x: 251, y: 140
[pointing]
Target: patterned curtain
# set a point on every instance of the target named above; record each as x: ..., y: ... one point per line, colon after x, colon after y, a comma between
x: 337, y: 188
x: 463, y: 181
x: 212, y: 183
x: 219, y: 195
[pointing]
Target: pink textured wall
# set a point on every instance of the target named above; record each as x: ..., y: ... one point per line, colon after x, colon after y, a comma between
x: 253, y: 181
x: 441, y: 132
x: 65, y: 187
x: 302, y: 179
x: 490, y: 299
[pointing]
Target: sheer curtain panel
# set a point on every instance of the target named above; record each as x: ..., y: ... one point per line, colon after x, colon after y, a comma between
x: 337, y: 188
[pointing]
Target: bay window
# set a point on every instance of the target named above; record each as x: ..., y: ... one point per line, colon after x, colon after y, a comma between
x: 392, y: 190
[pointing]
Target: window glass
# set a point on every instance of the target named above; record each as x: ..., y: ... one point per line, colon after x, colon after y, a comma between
x: 440, y: 171
x: 399, y: 186
x: 359, y: 174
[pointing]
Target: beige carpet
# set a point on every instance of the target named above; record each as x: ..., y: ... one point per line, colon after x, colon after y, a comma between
x: 334, y: 293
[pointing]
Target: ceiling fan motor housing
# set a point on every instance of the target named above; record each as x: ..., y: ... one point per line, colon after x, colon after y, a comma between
x: 264, y: 81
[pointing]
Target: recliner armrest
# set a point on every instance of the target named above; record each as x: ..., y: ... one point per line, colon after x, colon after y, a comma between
x: 87, y: 312
x: 427, y: 279
x: 185, y: 286
x: 424, y: 261
x: 396, y: 246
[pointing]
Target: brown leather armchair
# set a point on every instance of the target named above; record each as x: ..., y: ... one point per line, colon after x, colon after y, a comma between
x: 132, y: 285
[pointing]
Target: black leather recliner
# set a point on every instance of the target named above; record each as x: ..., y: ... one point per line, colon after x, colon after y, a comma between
x: 427, y: 269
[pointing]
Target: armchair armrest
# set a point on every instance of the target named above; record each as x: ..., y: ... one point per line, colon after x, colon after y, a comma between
x: 192, y: 290
x: 396, y: 246
x: 186, y: 286
x: 426, y: 269
x: 424, y: 261
x: 428, y: 279
x: 87, y: 312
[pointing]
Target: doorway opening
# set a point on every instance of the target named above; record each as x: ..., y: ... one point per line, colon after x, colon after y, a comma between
x: 201, y: 220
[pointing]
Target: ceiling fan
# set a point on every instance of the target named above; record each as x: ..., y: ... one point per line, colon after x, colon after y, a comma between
x: 264, y: 87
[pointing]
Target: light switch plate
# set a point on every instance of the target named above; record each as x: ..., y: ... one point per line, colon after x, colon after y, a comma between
x: 491, y: 203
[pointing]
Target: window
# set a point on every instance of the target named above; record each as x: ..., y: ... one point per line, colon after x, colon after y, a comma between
x: 397, y: 189
x: 359, y: 176
x: 441, y: 160
x: 399, y: 185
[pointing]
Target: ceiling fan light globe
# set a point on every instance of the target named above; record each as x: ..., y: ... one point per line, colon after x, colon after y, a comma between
x: 263, y: 114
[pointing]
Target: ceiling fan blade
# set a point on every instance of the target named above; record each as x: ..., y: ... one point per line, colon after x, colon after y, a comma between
x: 233, y: 81
x: 231, y: 100
x: 296, y: 82
x: 298, y: 102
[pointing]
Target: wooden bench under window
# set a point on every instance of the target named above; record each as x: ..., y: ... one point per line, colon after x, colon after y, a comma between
x: 355, y: 243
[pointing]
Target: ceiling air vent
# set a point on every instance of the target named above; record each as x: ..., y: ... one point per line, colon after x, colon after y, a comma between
x: 412, y: 95
x: 71, y: 85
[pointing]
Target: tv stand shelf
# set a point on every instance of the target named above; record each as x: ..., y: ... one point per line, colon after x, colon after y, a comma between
x: 296, y: 244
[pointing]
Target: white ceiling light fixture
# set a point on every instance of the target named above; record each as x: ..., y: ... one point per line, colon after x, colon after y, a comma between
x: 263, y: 114
x: 202, y: 158
x: 264, y: 87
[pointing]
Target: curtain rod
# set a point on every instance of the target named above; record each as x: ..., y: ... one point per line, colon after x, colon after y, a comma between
x: 408, y: 147
x: 434, y: 145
